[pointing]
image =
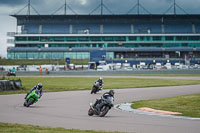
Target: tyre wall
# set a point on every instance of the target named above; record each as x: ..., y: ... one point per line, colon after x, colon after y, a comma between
x: 10, y: 84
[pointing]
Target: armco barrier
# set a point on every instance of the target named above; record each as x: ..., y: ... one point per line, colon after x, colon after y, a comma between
x: 10, y: 84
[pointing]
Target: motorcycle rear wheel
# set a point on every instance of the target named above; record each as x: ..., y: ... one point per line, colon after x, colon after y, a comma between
x: 104, y: 111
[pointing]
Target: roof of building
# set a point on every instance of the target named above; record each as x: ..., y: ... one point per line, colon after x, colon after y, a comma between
x: 140, y: 16
x: 109, y: 18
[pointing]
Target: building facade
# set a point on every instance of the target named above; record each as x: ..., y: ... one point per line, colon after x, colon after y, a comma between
x: 112, y: 37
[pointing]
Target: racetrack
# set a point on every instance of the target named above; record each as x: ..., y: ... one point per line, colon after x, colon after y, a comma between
x: 69, y: 110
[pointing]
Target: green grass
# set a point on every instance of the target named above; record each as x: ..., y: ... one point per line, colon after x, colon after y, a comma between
x: 41, y: 61
x: 188, y: 105
x: 19, y: 128
x: 165, y: 75
x: 53, y: 84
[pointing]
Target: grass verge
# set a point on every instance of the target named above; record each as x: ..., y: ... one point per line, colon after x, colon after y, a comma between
x: 53, y: 84
x: 188, y: 105
x: 19, y: 128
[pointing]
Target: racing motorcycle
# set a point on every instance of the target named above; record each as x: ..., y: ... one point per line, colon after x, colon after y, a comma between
x: 32, y: 98
x: 11, y: 74
x: 107, y: 105
x: 95, y: 88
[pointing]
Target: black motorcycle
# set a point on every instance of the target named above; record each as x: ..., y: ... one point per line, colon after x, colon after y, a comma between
x: 11, y: 74
x: 107, y: 105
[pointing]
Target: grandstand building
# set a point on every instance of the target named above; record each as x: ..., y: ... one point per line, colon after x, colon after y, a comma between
x: 114, y: 37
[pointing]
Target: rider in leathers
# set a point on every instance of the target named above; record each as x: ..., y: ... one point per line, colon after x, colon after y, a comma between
x: 37, y: 88
x: 100, y: 81
x: 99, y: 102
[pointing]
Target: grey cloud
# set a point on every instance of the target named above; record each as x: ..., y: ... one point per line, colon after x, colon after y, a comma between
x: 12, y: 2
x: 116, y: 6
x: 20, y: 2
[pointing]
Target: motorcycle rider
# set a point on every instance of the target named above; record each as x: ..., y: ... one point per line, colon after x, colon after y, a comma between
x: 100, y: 80
x: 37, y: 88
x: 104, y: 97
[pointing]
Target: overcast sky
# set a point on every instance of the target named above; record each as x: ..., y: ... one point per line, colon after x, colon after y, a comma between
x: 8, y: 23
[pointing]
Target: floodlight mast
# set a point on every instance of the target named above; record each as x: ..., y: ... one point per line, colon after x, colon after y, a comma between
x: 175, y: 5
x: 101, y: 6
x: 65, y: 5
x: 137, y: 6
x: 29, y: 5
x: 65, y: 8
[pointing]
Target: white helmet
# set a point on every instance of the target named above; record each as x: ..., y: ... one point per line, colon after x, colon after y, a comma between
x: 100, y: 78
x: 39, y: 85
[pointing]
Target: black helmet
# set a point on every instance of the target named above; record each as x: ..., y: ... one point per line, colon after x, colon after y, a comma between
x: 111, y: 92
x: 39, y: 85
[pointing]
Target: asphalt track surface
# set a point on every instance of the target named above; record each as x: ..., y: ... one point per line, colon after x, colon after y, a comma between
x: 69, y: 110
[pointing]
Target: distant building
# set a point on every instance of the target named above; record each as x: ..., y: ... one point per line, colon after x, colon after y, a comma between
x: 132, y: 37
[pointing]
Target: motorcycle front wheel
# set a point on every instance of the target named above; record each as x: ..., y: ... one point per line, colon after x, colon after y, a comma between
x: 93, y: 90
x: 30, y: 101
x: 90, y: 112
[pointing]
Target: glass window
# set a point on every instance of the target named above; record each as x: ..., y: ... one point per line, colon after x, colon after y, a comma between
x: 112, y: 45
x: 71, y: 38
x: 148, y: 38
x: 142, y: 38
x: 83, y: 39
x: 132, y: 38
x: 20, y: 55
x: 71, y: 55
x: 108, y: 38
x: 45, y: 55
x: 109, y: 55
x: 11, y: 55
x: 194, y: 38
x: 31, y: 38
x: 194, y: 45
x: 77, y: 55
x: 156, y: 38
x: 120, y: 38
x: 59, y: 39
x: 185, y: 44
x: 44, y: 39
x: 32, y: 55
x: 185, y: 38
x: 95, y: 38
x: 181, y: 38
x: 57, y: 55
x: 169, y: 38
x: 20, y: 38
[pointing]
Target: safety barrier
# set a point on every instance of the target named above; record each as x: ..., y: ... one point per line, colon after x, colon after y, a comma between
x: 10, y: 84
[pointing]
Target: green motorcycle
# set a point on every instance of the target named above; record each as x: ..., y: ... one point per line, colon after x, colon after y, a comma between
x: 32, y: 98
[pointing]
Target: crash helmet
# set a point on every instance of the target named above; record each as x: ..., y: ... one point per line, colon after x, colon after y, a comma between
x: 39, y: 86
x: 111, y: 92
x: 100, y: 79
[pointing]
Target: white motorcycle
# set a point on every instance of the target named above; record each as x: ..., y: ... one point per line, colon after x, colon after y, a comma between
x: 107, y: 105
